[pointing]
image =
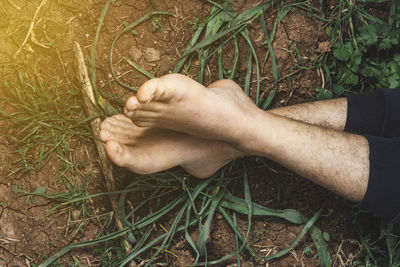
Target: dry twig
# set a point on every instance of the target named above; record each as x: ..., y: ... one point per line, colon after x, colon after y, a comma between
x: 105, y: 163
x: 31, y: 26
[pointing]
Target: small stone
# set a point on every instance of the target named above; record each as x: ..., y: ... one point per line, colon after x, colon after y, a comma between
x: 135, y: 53
x: 152, y: 55
x: 76, y: 214
x: 324, y: 47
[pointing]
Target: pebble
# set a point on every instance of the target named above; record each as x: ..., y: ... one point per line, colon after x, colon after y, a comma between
x: 152, y: 55
x: 135, y: 53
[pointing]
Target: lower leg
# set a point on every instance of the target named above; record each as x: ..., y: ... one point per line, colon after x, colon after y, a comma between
x: 336, y: 160
x: 330, y: 113
x: 298, y: 137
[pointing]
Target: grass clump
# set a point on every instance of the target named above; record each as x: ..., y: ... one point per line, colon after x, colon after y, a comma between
x: 369, y: 61
x: 40, y: 120
x: 366, y: 51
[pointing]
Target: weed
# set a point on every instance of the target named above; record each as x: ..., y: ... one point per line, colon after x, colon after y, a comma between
x: 372, y: 61
x: 110, y: 255
x: 156, y: 24
x: 307, y: 251
x: 40, y: 120
x: 194, y: 23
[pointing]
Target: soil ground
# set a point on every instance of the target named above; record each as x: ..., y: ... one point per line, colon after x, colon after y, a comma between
x: 28, y: 233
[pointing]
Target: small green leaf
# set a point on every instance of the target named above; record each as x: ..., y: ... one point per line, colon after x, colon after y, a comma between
x: 351, y: 78
x: 40, y: 190
x: 385, y: 44
x: 126, y: 24
x: 16, y: 189
x: 369, y: 71
x: 328, y: 31
x: 343, y: 51
x: 396, y: 58
x: 394, y: 80
x: 357, y: 57
x: 368, y: 35
x: 323, y: 93
x: 337, y: 89
x: 307, y: 251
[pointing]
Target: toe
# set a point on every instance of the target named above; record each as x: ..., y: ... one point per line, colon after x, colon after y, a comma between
x: 129, y: 157
x: 121, y: 117
x: 104, y: 135
x: 105, y: 125
x: 115, y: 151
x: 148, y: 91
x: 131, y: 105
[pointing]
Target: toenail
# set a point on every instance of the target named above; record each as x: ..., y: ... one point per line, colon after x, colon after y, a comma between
x: 130, y: 113
x: 119, y: 148
x: 106, y: 134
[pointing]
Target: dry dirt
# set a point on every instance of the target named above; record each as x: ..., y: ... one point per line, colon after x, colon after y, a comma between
x: 28, y: 233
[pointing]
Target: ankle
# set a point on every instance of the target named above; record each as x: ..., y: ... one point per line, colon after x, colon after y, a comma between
x: 257, y: 134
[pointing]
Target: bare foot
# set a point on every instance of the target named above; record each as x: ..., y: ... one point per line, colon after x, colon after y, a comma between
x: 220, y: 112
x: 150, y: 150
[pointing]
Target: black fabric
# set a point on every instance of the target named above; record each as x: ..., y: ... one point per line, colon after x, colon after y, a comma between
x: 376, y: 113
x: 382, y: 196
x: 376, y: 116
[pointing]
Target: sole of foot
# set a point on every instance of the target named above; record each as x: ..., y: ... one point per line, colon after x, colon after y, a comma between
x: 151, y: 150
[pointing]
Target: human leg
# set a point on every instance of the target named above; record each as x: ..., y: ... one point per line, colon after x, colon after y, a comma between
x: 131, y: 146
x: 331, y: 113
x: 336, y: 160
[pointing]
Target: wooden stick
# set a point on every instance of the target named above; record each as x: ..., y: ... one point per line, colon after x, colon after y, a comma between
x: 105, y: 164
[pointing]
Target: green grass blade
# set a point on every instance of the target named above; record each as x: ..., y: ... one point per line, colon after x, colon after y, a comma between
x: 140, y: 69
x: 236, y: 239
x: 205, y: 229
x: 245, y: 34
x: 134, y: 254
x: 187, y: 235
x: 220, y: 65
x: 249, y: 72
x: 213, y: 26
x: 94, y: 46
x: 239, y: 205
x: 323, y: 253
x: 236, y: 58
x: 68, y: 248
x: 171, y: 232
x: 214, y: 12
x: 275, y: 68
x: 158, y: 214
